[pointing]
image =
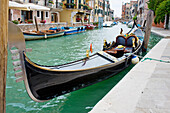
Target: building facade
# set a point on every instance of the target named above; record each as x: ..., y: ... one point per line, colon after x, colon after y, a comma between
x: 75, y: 11
x: 27, y: 16
x: 69, y: 11
x: 123, y: 11
x: 127, y: 10
x: 133, y: 8
x: 142, y: 10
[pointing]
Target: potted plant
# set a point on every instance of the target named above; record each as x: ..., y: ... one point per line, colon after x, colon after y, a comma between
x: 61, y: 4
x: 89, y: 8
x: 78, y: 19
x: 51, y: 2
x: 69, y: 4
x: 15, y: 21
x: 72, y: 4
x: 85, y: 20
x: 30, y: 21
x: 43, y: 21
x: 81, y: 4
x: 96, y: 24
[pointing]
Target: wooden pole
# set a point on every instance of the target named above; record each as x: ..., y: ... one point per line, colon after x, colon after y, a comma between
x: 148, y: 29
x: 35, y: 18
x: 3, y: 52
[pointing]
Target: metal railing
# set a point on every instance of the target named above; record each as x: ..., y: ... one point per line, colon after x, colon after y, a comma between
x: 55, y: 5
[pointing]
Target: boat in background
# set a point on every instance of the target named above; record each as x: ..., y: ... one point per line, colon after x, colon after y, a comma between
x: 124, y: 22
x: 114, y: 23
x: 71, y: 30
x: 130, y: 24
x: 90, y: 27
x: 44, y: 34
x: 107, y: 24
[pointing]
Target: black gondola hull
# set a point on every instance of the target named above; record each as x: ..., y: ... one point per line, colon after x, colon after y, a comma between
x: 46, y: 85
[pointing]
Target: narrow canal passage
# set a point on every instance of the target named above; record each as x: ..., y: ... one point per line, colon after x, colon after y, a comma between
x: 61, y: 50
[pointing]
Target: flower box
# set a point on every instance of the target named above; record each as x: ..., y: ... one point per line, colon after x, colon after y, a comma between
x: 43, y: 21
x: 51, y: 2
x: 30, y: 21
x: 78, y: 18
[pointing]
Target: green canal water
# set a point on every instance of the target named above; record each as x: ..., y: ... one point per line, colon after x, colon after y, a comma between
x: 61, y: 50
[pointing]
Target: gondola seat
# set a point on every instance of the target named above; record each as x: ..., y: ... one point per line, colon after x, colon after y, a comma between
x: 129, y: 41
x: 121, y: 40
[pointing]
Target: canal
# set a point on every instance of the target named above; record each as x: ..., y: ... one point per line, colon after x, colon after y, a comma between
x: 61, y: 50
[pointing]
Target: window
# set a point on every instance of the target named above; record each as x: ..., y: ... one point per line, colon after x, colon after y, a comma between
x: 38, y: 14
x: 46, y: 14
x: 95, y: 11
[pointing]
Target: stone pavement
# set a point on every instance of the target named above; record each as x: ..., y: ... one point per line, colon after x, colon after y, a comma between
x: 145, y: 89
x: 160, y: 31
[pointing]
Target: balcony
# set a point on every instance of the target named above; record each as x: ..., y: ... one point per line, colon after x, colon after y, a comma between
x: 70, y: 5
x: 57, y: 6
x: 29, y: 1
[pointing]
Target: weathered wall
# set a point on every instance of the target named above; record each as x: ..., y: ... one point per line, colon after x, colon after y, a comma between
x: 27, y: 27
x: 161, y: 25
x: 16, y: 14
x: 65, y: 16
x: 48, y: 19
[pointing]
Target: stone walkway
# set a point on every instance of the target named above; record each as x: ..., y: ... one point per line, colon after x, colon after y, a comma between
x: 162, y: 32
x: 146, y: 88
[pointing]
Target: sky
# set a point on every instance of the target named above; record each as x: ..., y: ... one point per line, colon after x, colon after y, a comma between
x: 116, y: 5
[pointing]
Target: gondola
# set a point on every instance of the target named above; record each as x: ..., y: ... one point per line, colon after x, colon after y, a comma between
x: 46, y: 82
x: 35, y: 35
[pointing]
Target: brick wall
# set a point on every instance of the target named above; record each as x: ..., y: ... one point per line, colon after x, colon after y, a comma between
x: 161, y: 25
x: 16, y: 14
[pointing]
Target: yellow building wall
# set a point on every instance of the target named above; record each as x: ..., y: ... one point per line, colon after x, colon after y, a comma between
x: 65, y: 16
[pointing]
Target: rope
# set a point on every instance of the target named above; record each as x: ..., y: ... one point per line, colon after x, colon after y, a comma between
x: 155, y: 60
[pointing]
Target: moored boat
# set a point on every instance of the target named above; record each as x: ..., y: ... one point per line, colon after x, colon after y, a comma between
x: 47, y: 82
x: 107, y: 24
x: 130, y: 24
x: 71, y: 30
x: 90, y: 27
x: 34, y: 35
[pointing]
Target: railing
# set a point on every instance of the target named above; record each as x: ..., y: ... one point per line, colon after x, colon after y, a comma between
x: 55, y: 5
x: 59, y: 5
x: 70, y: 5
x: 29, y: 1
x: 78, y: 23
x: 29, y: 27
x: 88, y: 11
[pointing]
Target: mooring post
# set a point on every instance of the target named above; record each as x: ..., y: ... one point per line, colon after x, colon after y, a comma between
x: 35, y: 18
x: 3, y: 52
x: 148, y: 29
